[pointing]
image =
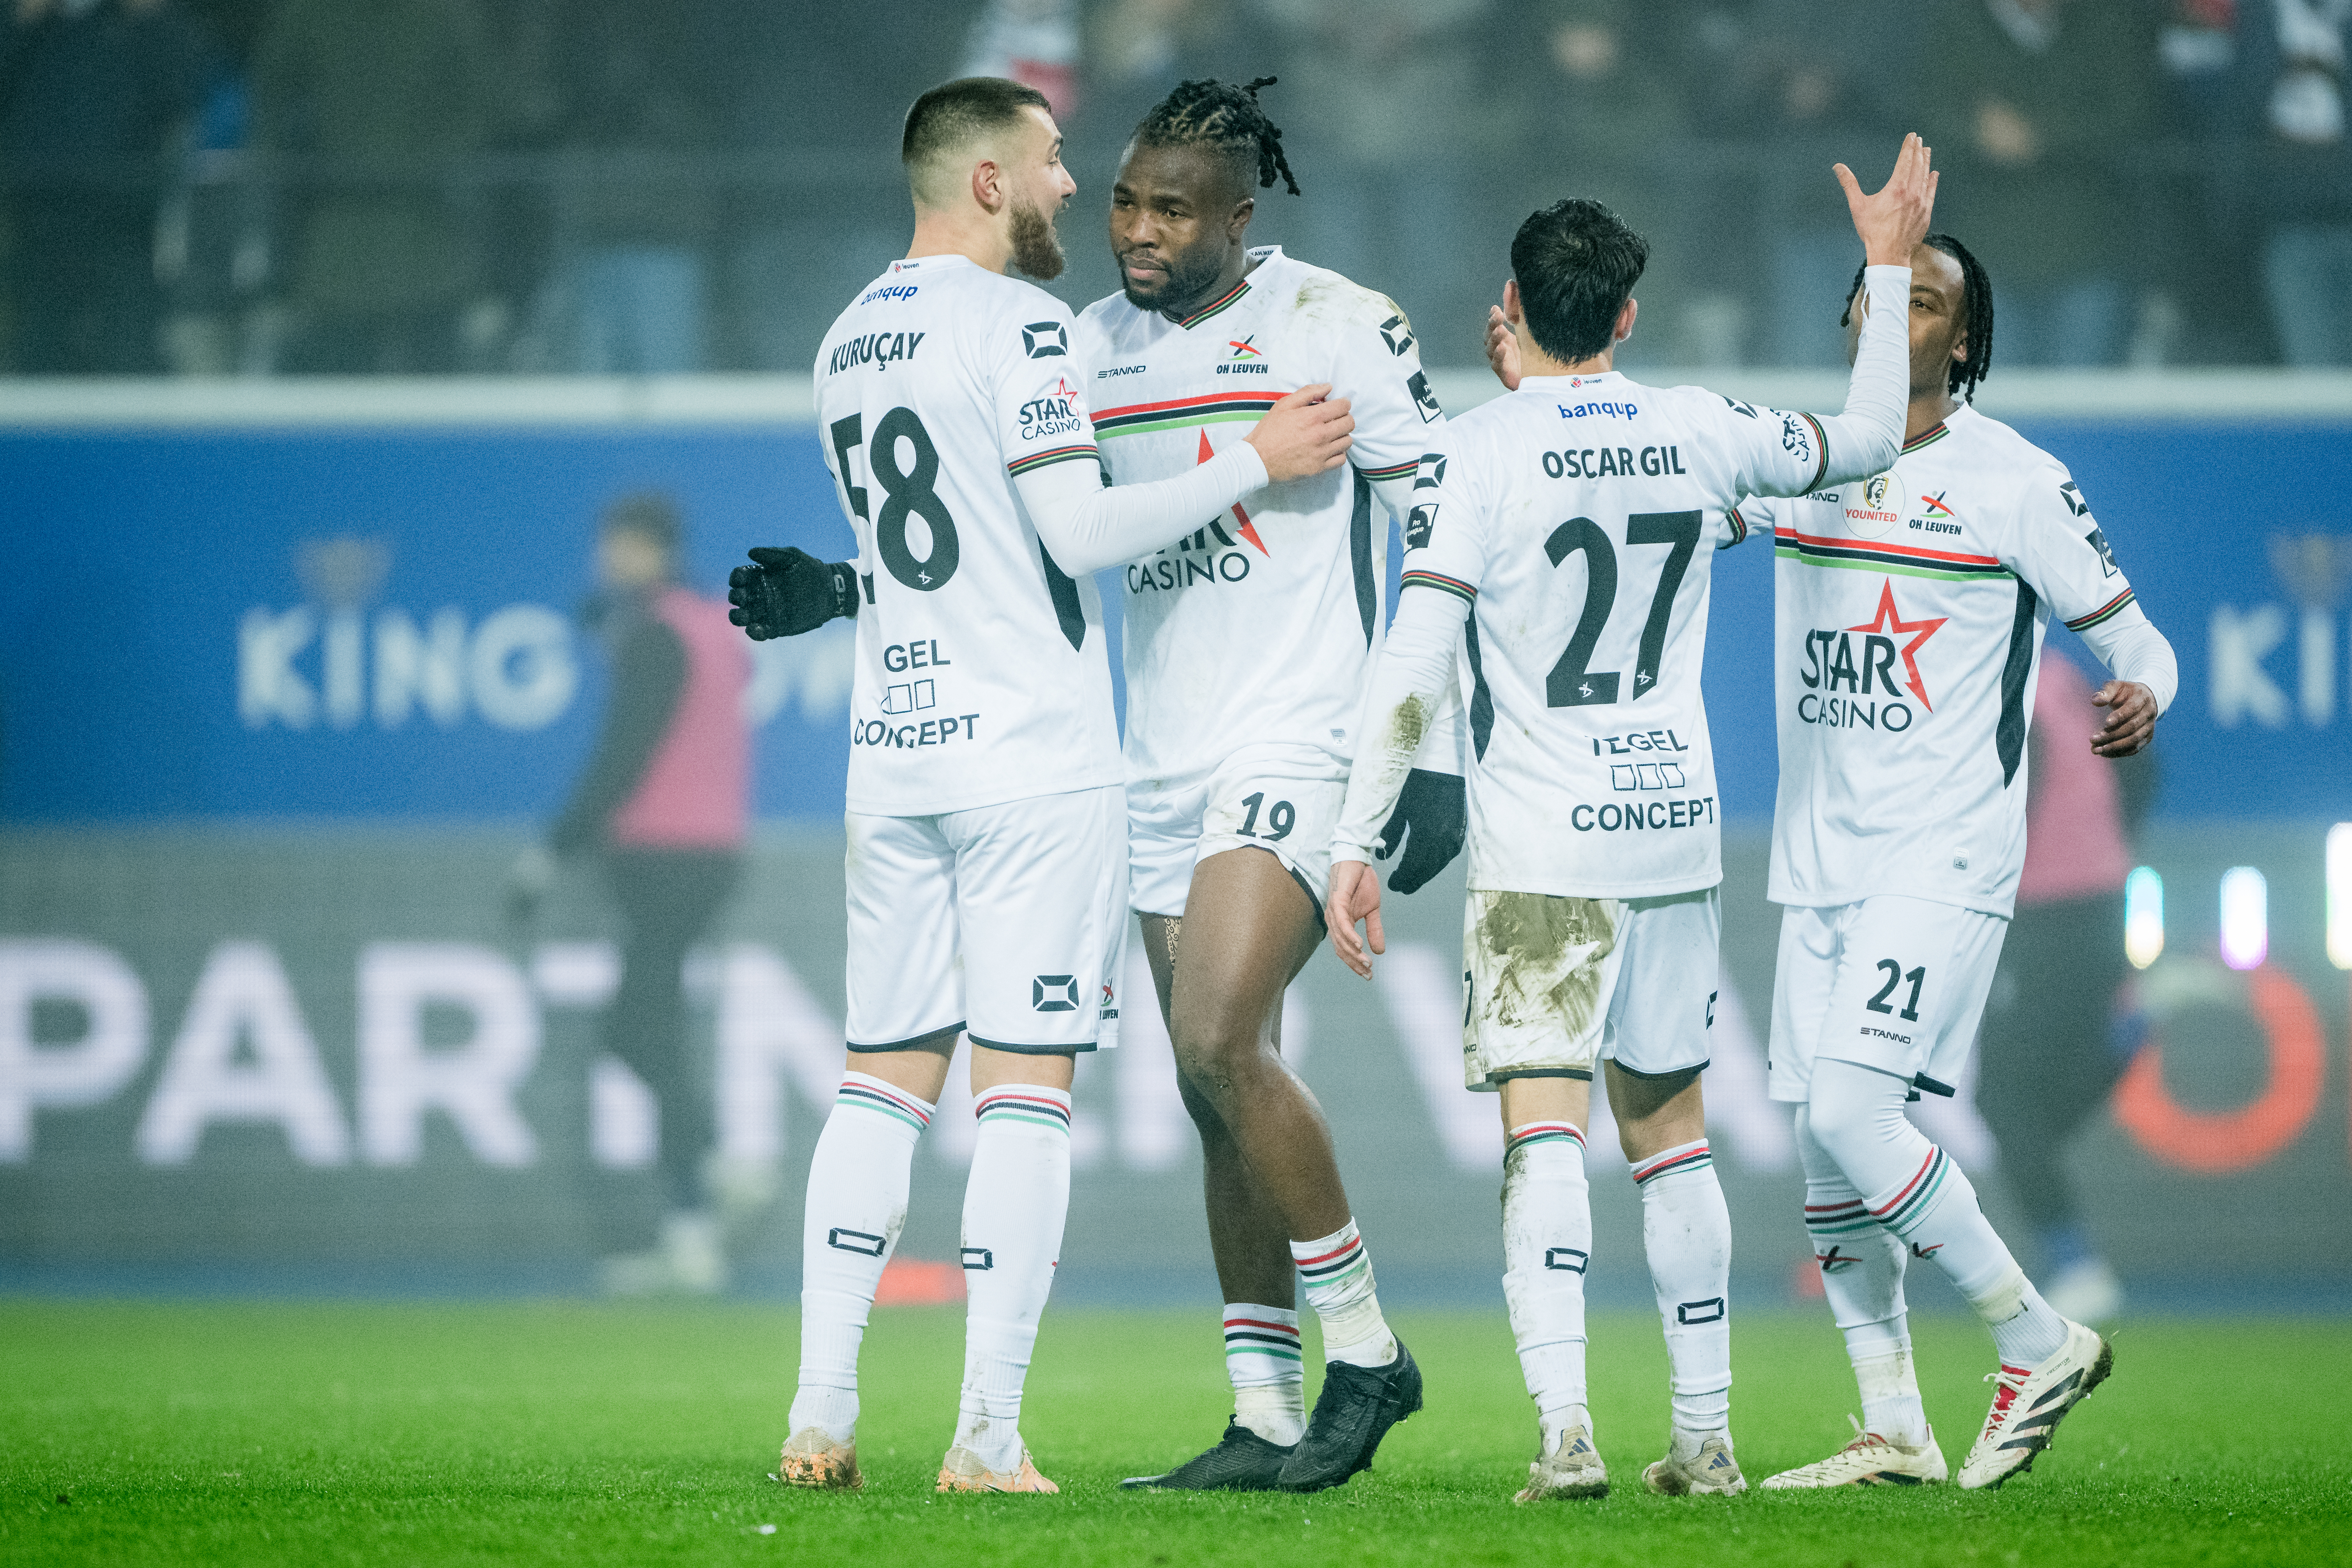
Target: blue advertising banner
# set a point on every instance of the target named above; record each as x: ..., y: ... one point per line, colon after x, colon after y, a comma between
x: 380, y: 624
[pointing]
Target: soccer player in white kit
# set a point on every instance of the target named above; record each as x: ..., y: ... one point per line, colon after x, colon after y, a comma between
x: 1909, y: 614
x: 1247, y: 647
x: 1571, y: 525
x: 987, y: 863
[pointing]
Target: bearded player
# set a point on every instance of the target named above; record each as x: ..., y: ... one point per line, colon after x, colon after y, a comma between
x: 1572, y: 530
x: 1247, y: 644
x: 1910, y: 614
x: 987, y: 862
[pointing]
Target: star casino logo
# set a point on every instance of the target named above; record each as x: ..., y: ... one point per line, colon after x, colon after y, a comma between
x: 1890, y: 620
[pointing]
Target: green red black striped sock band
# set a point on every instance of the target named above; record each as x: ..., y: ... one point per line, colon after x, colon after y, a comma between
x: 1262, y: 1336
x: 859, y: 1093
x: 1023, y: 1102
x: 1529, y: 1134
x: 1683, y: 1157
x: 1325, y: 1267
x: 1912, y: 1200
x: 1842, y: 1218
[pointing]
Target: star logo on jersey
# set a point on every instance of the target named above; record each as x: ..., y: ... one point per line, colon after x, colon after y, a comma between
x: 1890, y: 619
x: 1248, y: 529
x: 1044, y: 340
x: 1397, y: 332
x: 1242, y: 348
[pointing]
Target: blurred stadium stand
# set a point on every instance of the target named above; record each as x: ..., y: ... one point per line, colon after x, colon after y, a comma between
x: 326, y: 332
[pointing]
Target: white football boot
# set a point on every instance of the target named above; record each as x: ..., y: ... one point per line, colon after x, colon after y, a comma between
x: 962, y: 1472
x: 1701, y: 1469
x: 814, y: 1460
x: 1870, y: 1460
x: 2028, y: 1404
x: 1571, y: 1469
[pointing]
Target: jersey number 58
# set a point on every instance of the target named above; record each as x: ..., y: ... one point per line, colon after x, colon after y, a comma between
x: 906, y: 495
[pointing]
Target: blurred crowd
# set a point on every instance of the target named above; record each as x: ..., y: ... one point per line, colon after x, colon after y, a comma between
x: 651, y: 186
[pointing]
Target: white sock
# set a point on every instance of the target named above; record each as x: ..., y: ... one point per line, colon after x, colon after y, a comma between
x: 1686, y: 1234
x: 1546, y: 1243
x: 857, y: 1187
x: 1338, y: 1273
x: 1914, y: 1190
x: 1262, y: 1358
x: 1861, y: 1273
x: 1013, y: 1207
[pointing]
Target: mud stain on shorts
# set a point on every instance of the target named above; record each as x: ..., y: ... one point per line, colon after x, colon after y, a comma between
x: 1545, y: 956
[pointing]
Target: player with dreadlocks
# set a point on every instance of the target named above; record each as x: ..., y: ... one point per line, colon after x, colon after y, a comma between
x: 1248, y: 645
x: 1910, y: 612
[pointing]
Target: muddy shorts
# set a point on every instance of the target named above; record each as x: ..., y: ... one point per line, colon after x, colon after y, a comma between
x: 1554, y: 984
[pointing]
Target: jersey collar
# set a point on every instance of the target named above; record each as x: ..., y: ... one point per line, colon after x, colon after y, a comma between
x: 1599, y: 381
x: 1259, y: 256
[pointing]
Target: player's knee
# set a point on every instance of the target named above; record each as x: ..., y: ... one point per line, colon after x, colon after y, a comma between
x: 1852, y: 1106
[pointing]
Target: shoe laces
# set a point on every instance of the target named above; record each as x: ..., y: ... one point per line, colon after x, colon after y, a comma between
x: 2008, y: 1382
x: 1861, y: 1440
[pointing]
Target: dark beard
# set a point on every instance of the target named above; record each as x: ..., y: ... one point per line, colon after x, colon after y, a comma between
x: 1036, y: 249
x: 1187, y: 287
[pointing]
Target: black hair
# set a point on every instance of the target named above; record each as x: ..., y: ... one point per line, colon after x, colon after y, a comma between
x: 954, y: 113
x: 1976, y: 310
x: 1226, y: 118
x: 647, y: 512
x: 1576, y: 264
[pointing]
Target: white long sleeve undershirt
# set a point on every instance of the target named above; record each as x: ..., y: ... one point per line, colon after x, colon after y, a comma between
x: 2131, y: 648
x: 1412, y: 682
x: 1087, y: 527
x: 1867, y: 438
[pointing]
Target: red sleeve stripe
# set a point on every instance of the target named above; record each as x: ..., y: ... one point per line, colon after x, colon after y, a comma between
x: 2107, y: 611
x: 1453, y: 586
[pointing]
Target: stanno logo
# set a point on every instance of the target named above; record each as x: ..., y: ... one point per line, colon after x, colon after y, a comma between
x: 1430, y: 472
x: 1044, y: 340
x: 1397, y: 332
x: 1055, y: 994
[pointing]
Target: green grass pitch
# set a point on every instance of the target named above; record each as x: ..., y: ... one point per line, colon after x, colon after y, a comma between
x: 160, y: 1433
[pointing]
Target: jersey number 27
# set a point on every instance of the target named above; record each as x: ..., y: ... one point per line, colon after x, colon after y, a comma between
x: 1571, y: 683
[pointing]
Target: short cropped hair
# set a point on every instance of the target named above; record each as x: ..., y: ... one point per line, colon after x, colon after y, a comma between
x: 953, y: 116
x: 1576, y: 263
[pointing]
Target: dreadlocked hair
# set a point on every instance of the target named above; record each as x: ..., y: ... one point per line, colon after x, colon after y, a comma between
x: 1226, y: 117
x: 1976, y: 308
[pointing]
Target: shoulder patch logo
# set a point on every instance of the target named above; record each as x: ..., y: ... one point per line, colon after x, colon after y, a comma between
x: 1748, y: 409
x: 1044, y: 340
x: 2098, y: 540
x: 2072, y: 494
x: 1430, y: 472
x: 1418, y: 526
x: 1397, y: 332
x: 1426, y: 400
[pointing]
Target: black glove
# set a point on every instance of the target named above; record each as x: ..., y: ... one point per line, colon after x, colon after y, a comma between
x: 1433, y: 806
x: 787, y: 591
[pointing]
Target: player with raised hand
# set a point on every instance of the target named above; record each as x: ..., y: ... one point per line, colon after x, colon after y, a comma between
x: 1910, y: 614
x: 987, y: 862
x: 1247, y: 647
x: 1570, y: 527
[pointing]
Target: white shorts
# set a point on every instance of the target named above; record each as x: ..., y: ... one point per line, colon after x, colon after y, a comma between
x: 1553, y: 984
x: 1893, y: 983
x: 1008, y: 922
x: 1282, y: 798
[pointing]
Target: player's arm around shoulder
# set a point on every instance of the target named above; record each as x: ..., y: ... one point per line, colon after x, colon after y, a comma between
x: 2058, y: 549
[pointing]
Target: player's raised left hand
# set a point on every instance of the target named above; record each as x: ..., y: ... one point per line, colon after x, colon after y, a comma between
x: 787, y: 591
x: 1354, y: 895
x: 1893, y: 220
x: 2131, y: 719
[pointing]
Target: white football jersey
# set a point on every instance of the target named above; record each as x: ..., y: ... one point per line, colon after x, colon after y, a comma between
x: 1580, y: 517
x: 1262, y: 625
x: 981, y: 674
x: 1909, y: 614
